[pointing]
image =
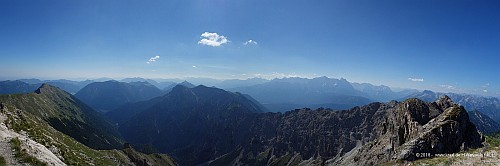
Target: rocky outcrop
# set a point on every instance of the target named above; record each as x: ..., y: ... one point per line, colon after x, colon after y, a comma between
x: 367, y: 135
x: 414, y: 129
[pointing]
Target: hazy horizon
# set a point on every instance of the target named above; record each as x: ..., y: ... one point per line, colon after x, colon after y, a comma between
x: 446, y: 46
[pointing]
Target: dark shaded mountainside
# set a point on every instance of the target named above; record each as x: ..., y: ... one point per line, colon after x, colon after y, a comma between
x: 483, y: 122
x: 204, y: 125
x: 58, y: 129
x: 183, y: 117
x: 109, y: 95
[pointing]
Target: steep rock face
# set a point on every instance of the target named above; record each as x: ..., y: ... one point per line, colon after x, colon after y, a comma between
x: 413, y: 129
x: 483, y: 122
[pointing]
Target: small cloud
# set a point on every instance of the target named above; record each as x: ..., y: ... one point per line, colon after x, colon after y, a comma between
x: 153, y: 59
x: 212, y: 39
x: 416, y: 79
x: 251, y: 42
x: 193, y: 66
x: 486, y: 85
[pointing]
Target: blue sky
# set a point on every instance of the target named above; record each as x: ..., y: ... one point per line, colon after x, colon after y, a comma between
x: 424, y: 44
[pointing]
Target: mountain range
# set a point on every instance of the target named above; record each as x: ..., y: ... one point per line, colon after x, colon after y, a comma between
x: 69, y: 86
x: 194, y: 125
x: 204, y: 125
x: 285, y: 94
x: 277, y: 95
x: 109, y: 95
x: 16, y: 87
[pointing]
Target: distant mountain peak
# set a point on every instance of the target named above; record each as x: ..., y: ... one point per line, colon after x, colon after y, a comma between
x: 187, y: 84
x: 178, y: 88
x: 47, y: 88
x: 444, y: 101
x: 428, y: 92
x: 445, y: 98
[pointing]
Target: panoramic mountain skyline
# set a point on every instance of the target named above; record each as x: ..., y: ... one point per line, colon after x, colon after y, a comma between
x: 448, y: 46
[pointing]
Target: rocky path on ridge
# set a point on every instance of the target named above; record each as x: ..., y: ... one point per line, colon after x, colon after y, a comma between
x: 33, y: 148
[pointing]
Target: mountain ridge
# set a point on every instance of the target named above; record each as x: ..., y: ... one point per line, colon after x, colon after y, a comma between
x: 68, y: 115
x: 106, y: 96
x: 214, y: 134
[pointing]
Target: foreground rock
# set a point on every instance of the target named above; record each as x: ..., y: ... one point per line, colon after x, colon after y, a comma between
x: 368, y: 135
x: 413, y: 129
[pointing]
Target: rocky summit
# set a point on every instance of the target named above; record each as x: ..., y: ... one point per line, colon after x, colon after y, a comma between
x: 414, y: 129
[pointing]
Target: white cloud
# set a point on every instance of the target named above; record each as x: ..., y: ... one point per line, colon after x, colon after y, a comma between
x: 250, y: 42
x: 486, y: 85
x: 212, y: 39
x: 193, y: 66
x: 416, y: 79
x: 153, y: 59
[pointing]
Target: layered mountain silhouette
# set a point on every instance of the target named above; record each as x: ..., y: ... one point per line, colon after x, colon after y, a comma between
x: 68, y: 115
x: 16, y: 87
x: 285, y: 94
x: 203, y: 125
x: 235, y: 83
x: 109, y: 95
x: 29, y: 85
x: 159, y: 85
x: 183, y: 83
x: 381, y: 93
x: 66, y: 85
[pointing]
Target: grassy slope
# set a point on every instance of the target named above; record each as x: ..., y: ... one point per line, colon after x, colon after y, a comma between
x: 68, y: 115
x: 69, y: 150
